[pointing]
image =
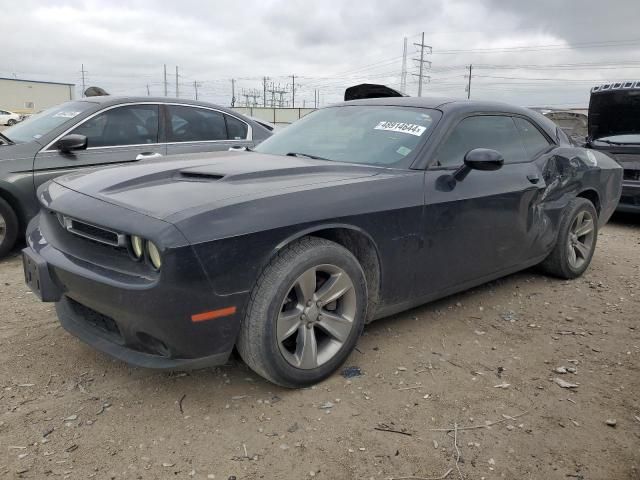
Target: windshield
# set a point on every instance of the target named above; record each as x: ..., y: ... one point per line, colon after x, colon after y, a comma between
x: 375, y: 135
x: 625, y: 139
x: 38, y: 125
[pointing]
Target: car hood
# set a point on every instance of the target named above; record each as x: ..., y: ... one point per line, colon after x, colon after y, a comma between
x: 615, y: 111
x: 191, y: 183
x: 18, y: 151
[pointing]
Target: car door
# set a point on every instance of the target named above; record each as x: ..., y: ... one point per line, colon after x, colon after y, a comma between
x: 191, y: 129
x: 116, y: 135
x: 482, y: 225
x: 4, y: 117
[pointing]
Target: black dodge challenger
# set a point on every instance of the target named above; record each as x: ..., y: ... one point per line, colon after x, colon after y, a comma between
x: 353, y: 213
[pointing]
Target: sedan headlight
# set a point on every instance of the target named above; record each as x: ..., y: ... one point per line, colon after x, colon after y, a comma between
x: 137, y: 246
x: 154, y: 255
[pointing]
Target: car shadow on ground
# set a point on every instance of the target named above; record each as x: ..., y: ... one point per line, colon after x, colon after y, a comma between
x: 625, y: 218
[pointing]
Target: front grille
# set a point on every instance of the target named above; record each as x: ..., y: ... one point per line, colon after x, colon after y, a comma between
x: 92, y: 232
x: 633, y: 175
x: 101, y: 322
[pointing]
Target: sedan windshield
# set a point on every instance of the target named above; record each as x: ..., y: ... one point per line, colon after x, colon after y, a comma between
x: 375, y: 135
x: 39, y: 125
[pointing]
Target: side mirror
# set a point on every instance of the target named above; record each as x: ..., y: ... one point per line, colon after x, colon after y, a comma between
x: 479, y: 159
x: 72, y: 142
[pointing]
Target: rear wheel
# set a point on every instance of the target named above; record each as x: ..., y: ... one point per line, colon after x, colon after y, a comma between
x: 576, y: 241
x: 305, y: 314
x: 8, y: 228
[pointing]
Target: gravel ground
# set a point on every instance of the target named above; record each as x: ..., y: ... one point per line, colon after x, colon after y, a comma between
x: 482, y: 357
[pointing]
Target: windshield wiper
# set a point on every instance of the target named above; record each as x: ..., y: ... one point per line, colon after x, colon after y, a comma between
x: 6, y: 139
x: 298, y: 154
x: 611, y: 142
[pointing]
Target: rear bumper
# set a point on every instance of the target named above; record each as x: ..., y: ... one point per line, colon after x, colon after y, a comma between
x: 630, y: 199
x: 142, y: 321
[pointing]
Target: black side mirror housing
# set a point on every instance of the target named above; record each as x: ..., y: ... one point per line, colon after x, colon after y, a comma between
x: 483, y: 159
x: 72, y: 142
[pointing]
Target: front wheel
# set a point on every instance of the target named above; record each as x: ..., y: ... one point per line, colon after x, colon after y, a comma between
x: 8, y: 228
x: 305, y: 315
x: 576, y: 241
x: 11, y: 122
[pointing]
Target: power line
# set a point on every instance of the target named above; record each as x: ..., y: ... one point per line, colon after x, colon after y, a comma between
x: 527, y: 48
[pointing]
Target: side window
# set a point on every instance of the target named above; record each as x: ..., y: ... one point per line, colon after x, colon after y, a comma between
x: 534, y: 141
x: 191, y: 124
x: 237, y: 129
x: 128, y: 125
x: 496, y: 132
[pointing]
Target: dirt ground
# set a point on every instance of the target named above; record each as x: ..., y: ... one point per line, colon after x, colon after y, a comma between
x: 485, y: 356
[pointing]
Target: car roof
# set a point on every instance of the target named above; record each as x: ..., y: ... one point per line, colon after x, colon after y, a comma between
x: 450, y: 105
x: 107, y: 100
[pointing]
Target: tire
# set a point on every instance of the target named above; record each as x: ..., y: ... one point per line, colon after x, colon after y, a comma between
x: 11, y: 122
x: 561, y: 262
x: 8, y: 228
x: 282, y: 325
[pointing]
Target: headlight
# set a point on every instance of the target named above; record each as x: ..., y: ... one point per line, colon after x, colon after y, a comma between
x: 137, y: 246
x: 154, y: 255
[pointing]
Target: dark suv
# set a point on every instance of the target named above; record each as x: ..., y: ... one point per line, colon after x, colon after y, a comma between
x: 614, y: 128
x: 102, y: 131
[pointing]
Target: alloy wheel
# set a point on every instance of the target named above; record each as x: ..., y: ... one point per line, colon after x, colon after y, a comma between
x: 581, y: 239
x: 316, y: 316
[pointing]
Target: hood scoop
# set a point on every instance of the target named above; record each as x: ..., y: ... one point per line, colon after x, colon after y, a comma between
x: 199, y: 175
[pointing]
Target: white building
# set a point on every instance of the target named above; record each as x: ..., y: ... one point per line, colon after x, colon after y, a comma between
x: 32, y: 96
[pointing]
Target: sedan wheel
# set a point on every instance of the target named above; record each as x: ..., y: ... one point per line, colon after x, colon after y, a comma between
x: 3, y: 228
x: 316, y: 317
x: 8, y: 228
x: 306, y: 313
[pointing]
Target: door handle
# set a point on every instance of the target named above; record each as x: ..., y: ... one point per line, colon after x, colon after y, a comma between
x: 147, y: 155
x: 533, y: 178
x: 237, y: 148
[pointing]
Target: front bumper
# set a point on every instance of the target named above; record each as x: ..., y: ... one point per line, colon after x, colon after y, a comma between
x: 146, y: 322
x: 630, y: 198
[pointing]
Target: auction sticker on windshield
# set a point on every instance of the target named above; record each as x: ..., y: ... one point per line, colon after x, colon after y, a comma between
x: 401, y: 127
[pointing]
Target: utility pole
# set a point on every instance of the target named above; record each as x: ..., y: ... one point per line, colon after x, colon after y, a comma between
x: 233, y: 92
x: 83, y: 83
x: 293, y: 91
x: 195, y: 87
x: 469, y: 85
x: 264, y: 91
x: 422, y: 62
x: 165, y: 80
x: 148, y: 92
x: 403, y: 74
x: 177, y: 89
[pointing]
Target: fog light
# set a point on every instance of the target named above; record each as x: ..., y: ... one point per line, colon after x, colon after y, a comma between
x: 137, y: 246
x: 154, y: 255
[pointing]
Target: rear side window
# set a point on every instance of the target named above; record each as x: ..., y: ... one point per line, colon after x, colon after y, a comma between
x: 496, y: 132
x: 236, y: 129
x: 190, y: 124
x: 534, y: 141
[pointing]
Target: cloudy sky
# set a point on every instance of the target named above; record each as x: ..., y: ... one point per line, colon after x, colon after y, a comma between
x: 542, y: 52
